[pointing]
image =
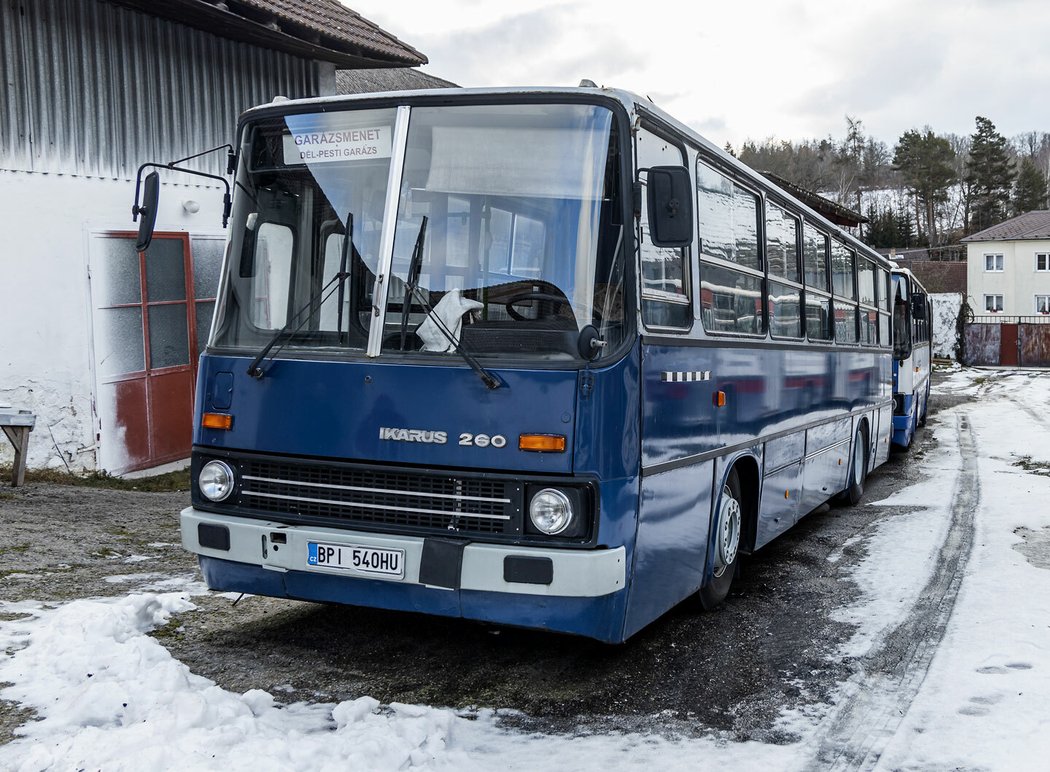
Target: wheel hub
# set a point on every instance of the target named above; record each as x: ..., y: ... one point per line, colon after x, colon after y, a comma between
x: 728, y: 533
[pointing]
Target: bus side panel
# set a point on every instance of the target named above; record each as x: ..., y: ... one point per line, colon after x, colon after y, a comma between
x: 608, y: 445
x: 826, y: 464
x: 671, y: 547
x: 885, y: 434
x: 781, y: 487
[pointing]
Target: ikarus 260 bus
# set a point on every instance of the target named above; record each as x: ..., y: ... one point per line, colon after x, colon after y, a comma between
x: 544, y: 358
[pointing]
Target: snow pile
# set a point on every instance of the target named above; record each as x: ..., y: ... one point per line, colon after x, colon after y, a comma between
x: 110, y: 697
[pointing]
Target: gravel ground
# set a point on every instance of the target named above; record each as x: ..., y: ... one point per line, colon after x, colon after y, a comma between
x: 731, y: 670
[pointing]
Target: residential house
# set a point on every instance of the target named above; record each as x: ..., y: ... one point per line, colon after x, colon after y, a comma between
x: 100, y: 342
x: 1008, y: 267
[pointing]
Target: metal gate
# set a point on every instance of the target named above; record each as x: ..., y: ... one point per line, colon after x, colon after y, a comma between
x: 1017, y: 341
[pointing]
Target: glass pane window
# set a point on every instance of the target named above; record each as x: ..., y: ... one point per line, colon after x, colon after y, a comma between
x: 303, y: 179
x: 842, y: 270
x: 882, y: 288
x: 866, y: 281
x: 869, y: 326
x: 993, y: 303
x: 731, y: 301
x: 165, y: 271
x: 665, y: 296
x: 207, y: 262
x: 116, y: 277
x: 845, y: 322
x: 1042, y: 261
x: 815, y: 258
x: 993, y: 262
x: 168, y: 336
x: 781, y: 243
x: 507, y: 224
x: 884, y: 330
x: 818, y: 317
x: 118, y: 341
x: 728, y: 219
x: 785, y: 310
x: 1042, y: 304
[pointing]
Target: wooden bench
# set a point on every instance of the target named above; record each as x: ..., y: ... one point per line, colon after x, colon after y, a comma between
x: 16, y: 425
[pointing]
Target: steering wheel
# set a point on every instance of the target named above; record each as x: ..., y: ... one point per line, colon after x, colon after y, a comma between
x: 558, y: 300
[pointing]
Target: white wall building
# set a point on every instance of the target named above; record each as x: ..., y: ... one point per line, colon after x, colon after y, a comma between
x: 100, y: 342
x: 1008, y: 267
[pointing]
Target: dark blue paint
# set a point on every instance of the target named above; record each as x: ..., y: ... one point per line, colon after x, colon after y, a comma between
x: 904, y: 425
x: 336, y: 409
x: 767, y: 391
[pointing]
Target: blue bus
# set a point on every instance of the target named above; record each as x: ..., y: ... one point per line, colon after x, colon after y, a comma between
x: 912, y: 314
x: 543, y: 358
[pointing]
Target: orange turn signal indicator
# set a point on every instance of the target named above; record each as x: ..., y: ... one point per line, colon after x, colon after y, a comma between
x: 719, y: 399
x: 217, y: 421
x: 542, y: 443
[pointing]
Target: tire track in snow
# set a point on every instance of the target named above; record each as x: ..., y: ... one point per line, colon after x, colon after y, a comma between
x: 876, y: 699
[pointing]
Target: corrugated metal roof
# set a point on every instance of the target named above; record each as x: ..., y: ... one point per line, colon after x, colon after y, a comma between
x: 386, y: 79
x: 324, y: 30
x: 93, y: 89
x: 1026, y: 227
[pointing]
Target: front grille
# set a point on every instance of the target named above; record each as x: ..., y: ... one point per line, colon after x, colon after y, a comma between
x: 408, y: 500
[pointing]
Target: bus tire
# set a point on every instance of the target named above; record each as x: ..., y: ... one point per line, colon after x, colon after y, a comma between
x: 728, y: 529
x: 925, y: 407
x: 858, y: 469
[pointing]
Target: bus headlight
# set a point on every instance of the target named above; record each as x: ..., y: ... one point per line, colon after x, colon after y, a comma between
x: 216, y: 480
x: 551, y: 511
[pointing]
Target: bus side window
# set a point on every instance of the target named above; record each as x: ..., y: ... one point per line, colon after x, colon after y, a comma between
x: 730, y: 256
x: 664, y: 271
x: 818, y: 290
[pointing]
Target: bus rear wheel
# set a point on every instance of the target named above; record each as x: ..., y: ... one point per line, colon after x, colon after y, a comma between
x: 858, y: 470
x: 728, y: 528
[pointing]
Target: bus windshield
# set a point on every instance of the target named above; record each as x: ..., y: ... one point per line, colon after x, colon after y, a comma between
x: 505, y: 221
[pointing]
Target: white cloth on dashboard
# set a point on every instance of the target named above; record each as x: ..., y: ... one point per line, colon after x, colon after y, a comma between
x: 449, y: 310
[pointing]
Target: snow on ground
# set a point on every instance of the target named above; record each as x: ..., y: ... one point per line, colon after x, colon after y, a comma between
x: 984, y: 701
x: 110, y: 696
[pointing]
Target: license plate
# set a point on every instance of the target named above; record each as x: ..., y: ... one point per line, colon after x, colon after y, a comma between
x: 352, y: 557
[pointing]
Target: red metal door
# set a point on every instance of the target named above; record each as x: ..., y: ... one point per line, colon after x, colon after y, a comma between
x: 150, y: 344
x: 1008, y: 345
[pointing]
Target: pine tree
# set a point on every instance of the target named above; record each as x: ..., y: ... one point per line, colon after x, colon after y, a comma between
x: 925, y: 163
x: 990, y: 172
x: 1030, y: 191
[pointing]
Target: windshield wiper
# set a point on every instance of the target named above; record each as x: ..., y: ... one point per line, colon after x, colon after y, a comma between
x: 348, y: 248
x: 412, y: 292
x: 254, y: 369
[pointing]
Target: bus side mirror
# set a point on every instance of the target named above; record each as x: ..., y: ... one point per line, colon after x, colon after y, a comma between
x: 918, y: 307
x: 147, y: 210
x: 670, y: 206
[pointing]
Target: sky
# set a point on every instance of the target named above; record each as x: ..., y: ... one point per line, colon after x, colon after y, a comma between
x: 747, y: 69
x: 109, y: 696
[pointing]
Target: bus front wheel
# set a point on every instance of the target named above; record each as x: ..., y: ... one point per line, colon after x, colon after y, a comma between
x: 728, y: 527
